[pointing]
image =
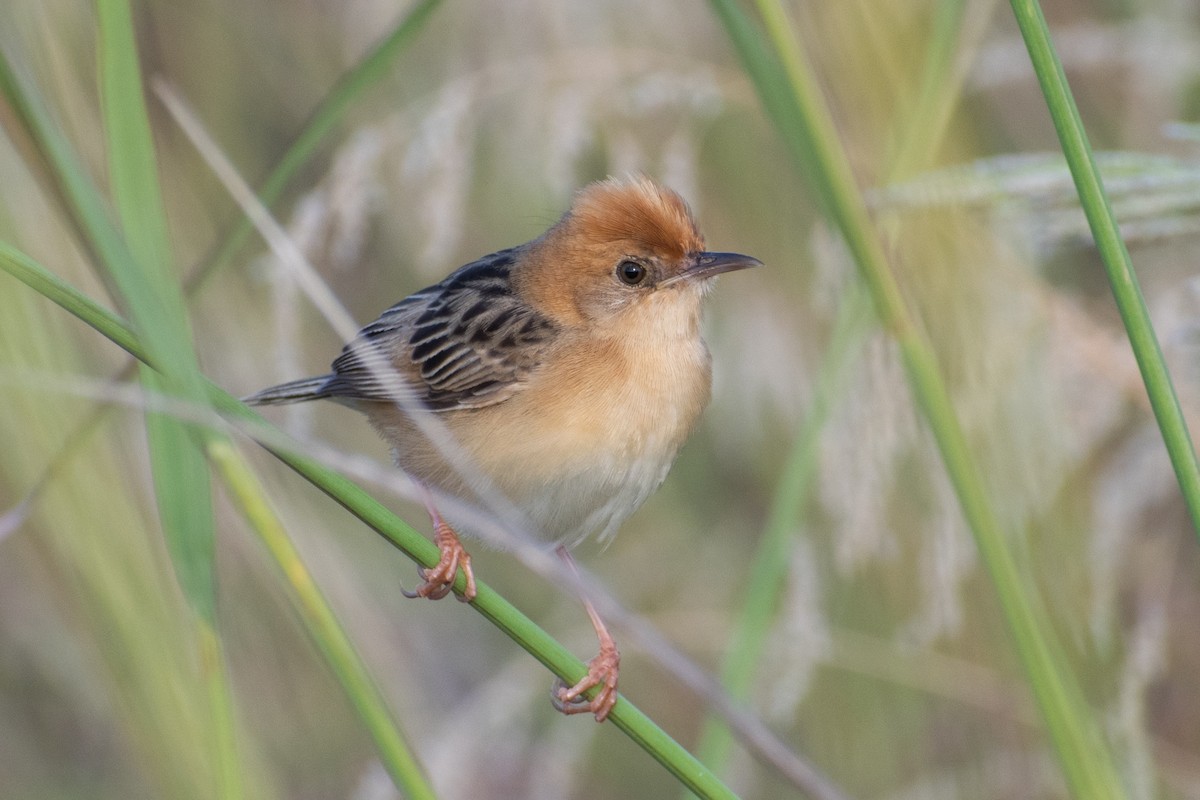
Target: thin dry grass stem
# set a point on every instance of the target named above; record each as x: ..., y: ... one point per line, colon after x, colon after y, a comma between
x: 281, y: 244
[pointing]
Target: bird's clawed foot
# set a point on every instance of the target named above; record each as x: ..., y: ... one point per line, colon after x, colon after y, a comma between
x: 439, y: 579
x: 602, y: 672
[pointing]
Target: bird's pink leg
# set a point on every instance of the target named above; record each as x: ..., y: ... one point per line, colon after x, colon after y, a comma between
x: 439, y: 579
x: 602, y: 669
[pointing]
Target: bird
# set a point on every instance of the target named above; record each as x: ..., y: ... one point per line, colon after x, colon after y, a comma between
x: 567, y: 372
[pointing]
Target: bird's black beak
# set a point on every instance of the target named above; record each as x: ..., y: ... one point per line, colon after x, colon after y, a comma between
x: 706, y: 265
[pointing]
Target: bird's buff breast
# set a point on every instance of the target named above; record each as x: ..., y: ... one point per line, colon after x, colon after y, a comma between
x: 583, y: 445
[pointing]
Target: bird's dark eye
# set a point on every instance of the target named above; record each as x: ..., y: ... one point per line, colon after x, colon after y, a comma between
x: 631, y: 273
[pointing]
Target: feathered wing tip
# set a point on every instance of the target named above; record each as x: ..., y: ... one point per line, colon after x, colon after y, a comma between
x: 292, y: 392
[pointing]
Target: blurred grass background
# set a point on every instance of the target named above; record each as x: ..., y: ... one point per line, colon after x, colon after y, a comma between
x: 887, y: 663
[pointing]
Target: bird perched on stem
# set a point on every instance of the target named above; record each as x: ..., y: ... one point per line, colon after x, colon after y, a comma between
x: 564, y: 374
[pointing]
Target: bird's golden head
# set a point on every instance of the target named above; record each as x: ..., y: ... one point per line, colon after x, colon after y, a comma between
x: 627, y: 247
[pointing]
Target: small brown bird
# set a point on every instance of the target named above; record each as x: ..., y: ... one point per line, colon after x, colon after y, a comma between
x: 568, y: 371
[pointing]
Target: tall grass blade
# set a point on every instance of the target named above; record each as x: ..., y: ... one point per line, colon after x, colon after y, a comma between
x: 181, y: 477
x: 1126, y: 291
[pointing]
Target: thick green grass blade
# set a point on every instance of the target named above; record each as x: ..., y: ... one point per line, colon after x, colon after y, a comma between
x: 141, y: 264
x: 558, y: 659
x: 1126, y: 291
x: 1081, y: 749
x: 180, y: 471
x: 132, y: 166
x: 182, y: 491
x: 181, y: 476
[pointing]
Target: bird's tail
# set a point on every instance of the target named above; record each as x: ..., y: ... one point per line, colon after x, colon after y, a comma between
x: 293, y: 392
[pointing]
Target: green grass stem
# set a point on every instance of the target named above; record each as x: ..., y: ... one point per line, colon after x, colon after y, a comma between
x: 151, y: 291
x: 625, y: 716
x: 1126, y: 291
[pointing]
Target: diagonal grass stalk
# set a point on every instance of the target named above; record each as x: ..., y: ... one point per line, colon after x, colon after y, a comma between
x: 625, y: 716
